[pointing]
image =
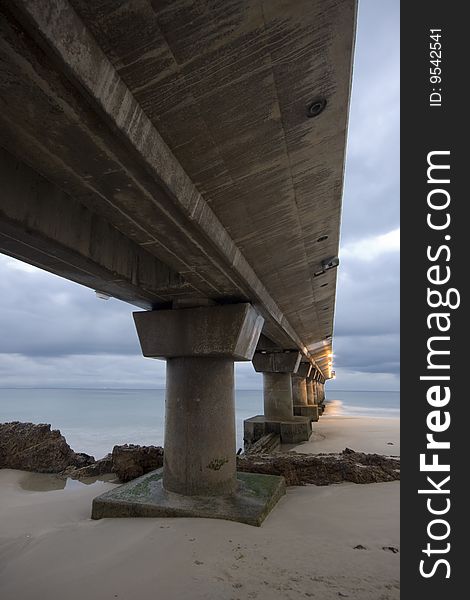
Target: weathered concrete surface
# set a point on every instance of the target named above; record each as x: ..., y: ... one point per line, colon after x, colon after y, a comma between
x: 277, y: 396
x: 200, y: 345
x: 254, y: 498
x: 310, y: 391
x: 292, y: 431
x: 278, y: 369
x: 277, y: 362
x: 299, y: 391
x: 200, y: 445
x: 313, y: 412
x: 229, y: 331
x: 178, y: 126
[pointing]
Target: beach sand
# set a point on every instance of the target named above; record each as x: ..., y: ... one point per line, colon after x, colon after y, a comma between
x: 50, y: 548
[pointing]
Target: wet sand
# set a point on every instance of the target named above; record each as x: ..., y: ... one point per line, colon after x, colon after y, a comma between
x: 49, y: 547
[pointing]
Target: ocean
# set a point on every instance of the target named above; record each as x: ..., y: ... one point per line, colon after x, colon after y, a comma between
x: 94, y: 420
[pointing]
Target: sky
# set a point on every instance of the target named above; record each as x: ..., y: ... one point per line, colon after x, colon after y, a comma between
x: 54, y: 333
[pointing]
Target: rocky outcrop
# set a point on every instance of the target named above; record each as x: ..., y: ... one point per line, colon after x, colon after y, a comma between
x: 323, y: 469
x: 130, y: 461
x: 37, y: 448
x: 100, y: 467
x: 31, y: 447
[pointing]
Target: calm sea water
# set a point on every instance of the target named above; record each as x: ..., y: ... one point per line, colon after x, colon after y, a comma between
x: 93, y: 421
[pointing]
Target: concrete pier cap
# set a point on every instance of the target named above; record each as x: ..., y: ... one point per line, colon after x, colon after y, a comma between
x: 200, y: 345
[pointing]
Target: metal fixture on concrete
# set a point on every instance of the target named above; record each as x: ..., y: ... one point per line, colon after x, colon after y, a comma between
x: 316, y: 107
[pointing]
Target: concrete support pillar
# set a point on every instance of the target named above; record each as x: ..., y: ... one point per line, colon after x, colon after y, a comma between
x: 302, y: 391
x: 278, y: 415
x: 200, y: 345
x: 310, y: 392
x: 299, y: 384
x: 198, y: 478
x: 277, y: 393
x: 299, y: 391
x: 199, y: 444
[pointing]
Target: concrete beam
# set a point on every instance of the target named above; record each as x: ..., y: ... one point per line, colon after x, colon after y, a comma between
x: 43, y: 226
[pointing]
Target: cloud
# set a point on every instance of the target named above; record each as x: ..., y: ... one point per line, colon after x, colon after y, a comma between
x: 371, y: 192
x: 373, y: 247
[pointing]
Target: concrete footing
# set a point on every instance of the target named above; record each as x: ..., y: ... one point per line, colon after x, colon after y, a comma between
x: 254, y: 497
x: 313, y: 412
x: 293, y: 431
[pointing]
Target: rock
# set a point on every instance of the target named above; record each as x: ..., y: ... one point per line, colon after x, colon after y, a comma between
x: 131, y: 461
x: 31, y: 447
x: 323, y: 469
x: 83, y: 460
x: 100, y: 467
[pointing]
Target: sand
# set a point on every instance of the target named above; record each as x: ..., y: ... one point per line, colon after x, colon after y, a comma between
x: 363, y: 434
x: 50, y: 548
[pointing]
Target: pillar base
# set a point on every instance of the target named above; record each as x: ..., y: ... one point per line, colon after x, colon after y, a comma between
x: 255, y: 497
x: 293, y: 431
x: 311, y: 411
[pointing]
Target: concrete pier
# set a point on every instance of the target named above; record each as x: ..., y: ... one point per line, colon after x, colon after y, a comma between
x: 277, y: 395
x: 310, y: 392
x: 301, y: 389
x: 278, y: 417
x: 149, y: 178
x: 199, y: 427
x: 200, y: 346
x: 299, y: 384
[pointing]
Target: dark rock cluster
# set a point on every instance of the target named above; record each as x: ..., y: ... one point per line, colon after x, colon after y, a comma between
x: 130, y: 461
x: 37, y: 448
x: 323, y: 469
x: 31, y: 447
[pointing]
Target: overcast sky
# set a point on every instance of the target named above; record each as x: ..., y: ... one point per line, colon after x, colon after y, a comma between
x: 54, y: 333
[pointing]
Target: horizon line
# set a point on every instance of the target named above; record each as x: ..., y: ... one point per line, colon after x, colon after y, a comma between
x: 157, y: 388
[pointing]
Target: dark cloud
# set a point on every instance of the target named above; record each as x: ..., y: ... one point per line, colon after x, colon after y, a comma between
x: 44, y: 315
